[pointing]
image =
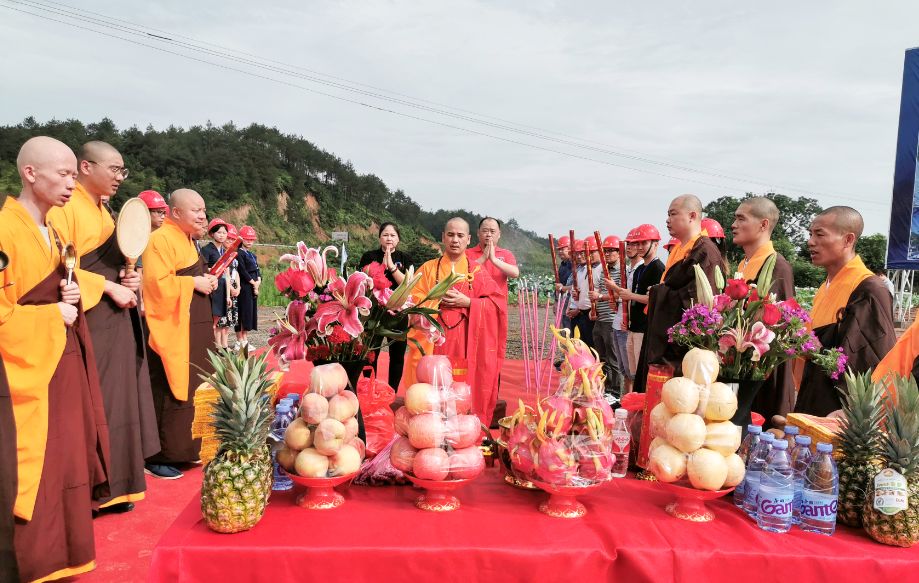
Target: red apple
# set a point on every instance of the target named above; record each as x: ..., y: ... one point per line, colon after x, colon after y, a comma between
x: 427, y: 430
x: 435, y: 369
x: 432, y: 463
x: 466, y: 463
x: 400, y: 421
x: 402, y: 455
x: 421, y: 398
x: 463, y: 431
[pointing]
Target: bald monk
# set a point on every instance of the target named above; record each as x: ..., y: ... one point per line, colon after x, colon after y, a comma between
x: 852, y: 308
x: 754, y: 221
x: 8, y: 569
x: 473, y: 316
x: 62, y: 439
x: 677, y: 290
x: 114, y: 324
x: 178, y: 314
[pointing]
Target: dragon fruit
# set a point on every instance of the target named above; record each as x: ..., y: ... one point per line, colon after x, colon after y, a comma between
x: 595, y: 460
x: 555, y: 462
x: 559, y: 413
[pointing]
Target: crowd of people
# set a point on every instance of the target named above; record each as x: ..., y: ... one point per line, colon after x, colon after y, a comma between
x: 100, y: 363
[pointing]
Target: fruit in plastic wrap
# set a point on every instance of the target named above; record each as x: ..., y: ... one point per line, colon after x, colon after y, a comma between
x: 400, y: 421
x: 297, y: 436
x: 667, y: 463
x: 351, y: 429
x: 680, y: 395
x: 595, y: 461
x: 723, y: 437
x: 701, y: 366
x: 427, y: 430
x: 463, y: 431
x: 346, y: 461
x: 686, y: 432
x: 422, y: 398
x: 431, y: 463
x: 314, y: 408
x: 555, y: 463
x: 435, y: 369
x: 402, y: 455
x: 328, y: 379
x: 329, y: 436
x: 559, y: 411
x: 358, y: 444
x: 720, y: 403
x: 736, y: 470
x: 660, y: 417
x: 311, y: 464
x: 287, y: 457
x: 461, y: 397
x: 707, y: 469
x: 466, y: 463
x: 340, y: 408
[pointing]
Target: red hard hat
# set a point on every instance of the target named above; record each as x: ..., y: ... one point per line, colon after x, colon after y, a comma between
x: 611, y: 242
x: 247, y: 233
x: 153, y: 199
x: 644, y: 232
x: 562, y: 241
x: 591, y: 243
x: 578, y: 246
x: 232, y: 234
x: 712, y: 228
x: 673, y: 242
x: 216, y: 223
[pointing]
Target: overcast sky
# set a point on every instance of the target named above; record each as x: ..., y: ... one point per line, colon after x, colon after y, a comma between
x: 796, y: 98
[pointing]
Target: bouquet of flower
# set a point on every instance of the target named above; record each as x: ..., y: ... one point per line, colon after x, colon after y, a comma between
x: 751, y: 333
x: 338, y: 319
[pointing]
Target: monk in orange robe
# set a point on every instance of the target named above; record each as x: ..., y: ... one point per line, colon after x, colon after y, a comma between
x: 902, y: 360
x: 852, y: 308
x: 8, y: 569
x: 473, y: 314
x: 61, y: 436
x: 178, y: 314
x: 754, y: 221
x: 114, y: 324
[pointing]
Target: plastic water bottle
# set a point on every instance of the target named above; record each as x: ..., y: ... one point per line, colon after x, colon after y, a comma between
x: 755, y: 463
x: 749, y: 442
x: 776, y: 490
x: 291, y: 414
x: 280, y: 481
x: 820, y: 497
x: 295, y: 397
x: 622, y: 437
x: 791, y: 432
x: 800, y: 459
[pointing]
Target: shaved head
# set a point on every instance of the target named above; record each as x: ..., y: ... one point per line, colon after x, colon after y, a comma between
x: 688, y: 202
x: 96, y: 150
x: 456, y: 238
x: 189, y: 212
x: 101, y: 170
x: 457, y: 223
x: 48, y: 169
x: 684, y: 217
x: 845, y: 219
x: 762, y: 208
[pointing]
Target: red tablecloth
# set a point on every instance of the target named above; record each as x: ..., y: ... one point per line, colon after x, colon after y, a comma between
x: 499, y: 535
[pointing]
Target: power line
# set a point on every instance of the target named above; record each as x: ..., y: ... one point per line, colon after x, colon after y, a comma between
x: 97, y: 22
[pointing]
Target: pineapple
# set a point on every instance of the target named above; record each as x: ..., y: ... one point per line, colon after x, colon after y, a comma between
x: 901, y: 454
x: 860, y: 444
x: 237, y: 481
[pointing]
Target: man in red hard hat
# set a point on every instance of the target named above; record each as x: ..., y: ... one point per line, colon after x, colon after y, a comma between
x: 157, y: 206
x: 563, y: 246
x: 673, y: 242
x: 646, y: 271
x: 609, y: 318
x: 677, y: 290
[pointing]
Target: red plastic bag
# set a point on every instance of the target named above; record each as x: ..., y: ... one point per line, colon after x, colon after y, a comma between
x: 375, y: 397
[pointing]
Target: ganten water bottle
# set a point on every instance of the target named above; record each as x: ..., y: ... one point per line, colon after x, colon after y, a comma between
x: 776, y: 490
x: 800, y: 459
x: 819, y: 498
x: 755, y: 463
x: 280, y: 481
x: 749, y: 442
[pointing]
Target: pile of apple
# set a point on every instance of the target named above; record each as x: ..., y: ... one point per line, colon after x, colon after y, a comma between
x: 438, y: 433
x: 322, y: 441
x: 693, y: 435
x: 567, y: 440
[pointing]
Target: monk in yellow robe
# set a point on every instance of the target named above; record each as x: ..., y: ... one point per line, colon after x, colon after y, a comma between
x: 902, y: 360
x: 178, y: 315
x: 473, y: 315
x: 754, y: 221
x: 61, y: 436
x: 852, y: 308
x: 114, y: 323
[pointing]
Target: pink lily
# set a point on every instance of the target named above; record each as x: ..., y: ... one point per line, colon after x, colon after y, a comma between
x: 290, y: 341
x: 758, y: 338
x: 349, y: 304
x: 312, y: 261
x: 419, y: 322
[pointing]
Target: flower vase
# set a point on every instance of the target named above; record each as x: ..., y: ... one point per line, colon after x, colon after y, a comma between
x: 354, y: 368
x: 746, y: 391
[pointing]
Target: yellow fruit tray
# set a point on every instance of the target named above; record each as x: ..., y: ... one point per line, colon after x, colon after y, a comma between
x: 819, y: 429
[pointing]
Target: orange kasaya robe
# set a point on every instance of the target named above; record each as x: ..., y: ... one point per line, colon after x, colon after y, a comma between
x: 748, y: 269
x: 167, y: 301
x: 61, y: 436
x: 902, y: 360
x: 679, y: 253
x: 477, y: 334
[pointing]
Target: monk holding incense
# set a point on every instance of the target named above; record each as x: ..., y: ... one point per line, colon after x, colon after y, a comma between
x: 473, y: 314
x: 852, y: 308
x: 754, y: 221
x: 62, y: 439
x: 114, y: 323
x: 178, y: 312
x: 677, y: 290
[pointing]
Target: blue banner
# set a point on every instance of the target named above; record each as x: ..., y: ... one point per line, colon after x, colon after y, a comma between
x: 903, y: 242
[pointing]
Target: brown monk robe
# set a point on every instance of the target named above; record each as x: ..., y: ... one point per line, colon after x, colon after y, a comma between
x: 114, y: 324
x: 8, y: 570
x: 754, y: 221
x: 677, y: 290
x: 178, y: 313
x: 62, y: 439
x: 852, y: 309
